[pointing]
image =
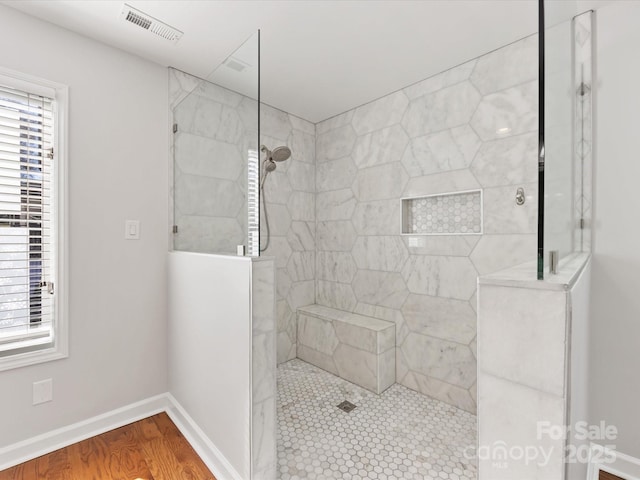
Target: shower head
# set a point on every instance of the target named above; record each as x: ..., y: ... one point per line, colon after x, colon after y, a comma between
x: 269, y: 165
x: 279, y: 154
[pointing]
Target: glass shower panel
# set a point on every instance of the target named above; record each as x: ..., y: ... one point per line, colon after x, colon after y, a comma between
x: 215, y: 155
x: 566, y: 134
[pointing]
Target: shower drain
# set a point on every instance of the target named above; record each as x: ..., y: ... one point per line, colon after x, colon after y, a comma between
x: 346, y: 406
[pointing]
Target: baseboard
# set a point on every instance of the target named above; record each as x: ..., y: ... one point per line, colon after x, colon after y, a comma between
x: 62, y: 437
x: 611, y: 461
x: 208, y: 452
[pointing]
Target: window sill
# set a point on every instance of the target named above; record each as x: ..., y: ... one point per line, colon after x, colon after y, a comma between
x: 34, y: 357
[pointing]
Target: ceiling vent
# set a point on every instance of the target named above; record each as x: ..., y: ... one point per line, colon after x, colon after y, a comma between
x: 142, y: 20
x: 235, y: 64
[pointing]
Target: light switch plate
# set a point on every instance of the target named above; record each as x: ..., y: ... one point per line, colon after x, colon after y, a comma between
x: 132, y: 229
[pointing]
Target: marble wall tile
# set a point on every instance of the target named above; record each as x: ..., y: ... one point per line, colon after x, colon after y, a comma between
x: 447, y: 108
x: 443, y: 318
x: 447, y: 245
x: 279, y: 221
x: 439, y: 276
x: 451, y: 394
x: 388, y: 314
x: 284, y: 321
x: 215, y: 125
x: 198, y: 115
x: 380, y: 217
x: 361, y: 349
x: 440, y: 359
x: 319, y: 359
x: 358, y: 337
x: 335, y: 235
x: 302, y: 206
x: 196, y: 155
x: 280, y: 249
x: 503, y: 215
x: 334, y: 122
x: 335, y: 295
x: 264, y: 440
x: 507, y: 67
x: 247, y: 111
x: 263, y: 362
x: 510, y: 413
x: 442, y: 80
x: 444, y: 182
x: 302, y: 176
x: 303, y: 125
x: 277, y: 188
x: 301, y: 236
x: 382, y: 288
x: 515, y: 108
x: 380, y: 113
x: 217, y: 93
x: 301, y: 266
x: 380, y: 147
x: 336, y: 143
x: 303, y: 147
x: 284, y: 282
x: 446, y: 150
x: 193, y: 196
x: 180, y: 86
x: 520, y: 322
x: 386, y: 369
x: 335, y: 267
x: 317, y: 333
x: 335, y: 205
x: 301, y: 293
x: 507, y: 161
x: 381, y: 182
x: 290, y: 199
x: 335, y: 174
x: 286, y: 348
x: 357, y: 366
x: 199, y: 233
x: 231, y: 129
x: 274, y: 123
x: 497, y: 252
x: 263, y: 297
x: 387, y: 253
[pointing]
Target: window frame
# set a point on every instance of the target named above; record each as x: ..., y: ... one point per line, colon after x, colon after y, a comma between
x: 29, y: 352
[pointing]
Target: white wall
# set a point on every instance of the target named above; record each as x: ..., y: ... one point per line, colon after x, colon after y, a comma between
x: 615, y: 301
x: 210, y: 349
x: 117, y: 171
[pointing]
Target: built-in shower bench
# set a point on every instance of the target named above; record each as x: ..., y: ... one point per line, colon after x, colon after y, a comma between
x: 357, y: 348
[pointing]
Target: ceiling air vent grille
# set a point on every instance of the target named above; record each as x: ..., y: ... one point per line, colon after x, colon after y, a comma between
x: 149, y: 23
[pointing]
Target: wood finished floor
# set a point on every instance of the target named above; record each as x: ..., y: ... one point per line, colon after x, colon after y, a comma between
x: 608, y: 476
x: 151, y: 449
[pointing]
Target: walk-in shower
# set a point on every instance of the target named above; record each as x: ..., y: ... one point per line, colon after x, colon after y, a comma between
x: 378, y: 226
x: 278, y: 154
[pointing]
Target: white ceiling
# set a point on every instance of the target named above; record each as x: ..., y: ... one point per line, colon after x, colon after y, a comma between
x: 318, y: 58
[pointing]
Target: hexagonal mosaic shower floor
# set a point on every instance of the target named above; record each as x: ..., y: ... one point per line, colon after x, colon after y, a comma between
x: 400, y: 434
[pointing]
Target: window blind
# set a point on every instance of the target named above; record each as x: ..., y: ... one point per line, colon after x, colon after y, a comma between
x: 26, y: 219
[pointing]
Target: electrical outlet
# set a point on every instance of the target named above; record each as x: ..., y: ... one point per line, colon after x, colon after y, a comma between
x: 42, y: 391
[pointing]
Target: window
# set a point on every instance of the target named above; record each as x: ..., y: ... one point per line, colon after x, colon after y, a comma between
x: 32, y: 289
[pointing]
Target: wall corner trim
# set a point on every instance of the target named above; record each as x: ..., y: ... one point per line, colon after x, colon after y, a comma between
x: 45, y: 443
x: 607, y: 459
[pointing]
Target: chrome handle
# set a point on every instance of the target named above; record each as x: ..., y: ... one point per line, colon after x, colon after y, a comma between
x: 520, y: 198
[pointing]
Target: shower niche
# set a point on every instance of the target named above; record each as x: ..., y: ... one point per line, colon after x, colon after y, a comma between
x: 456, y: 213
